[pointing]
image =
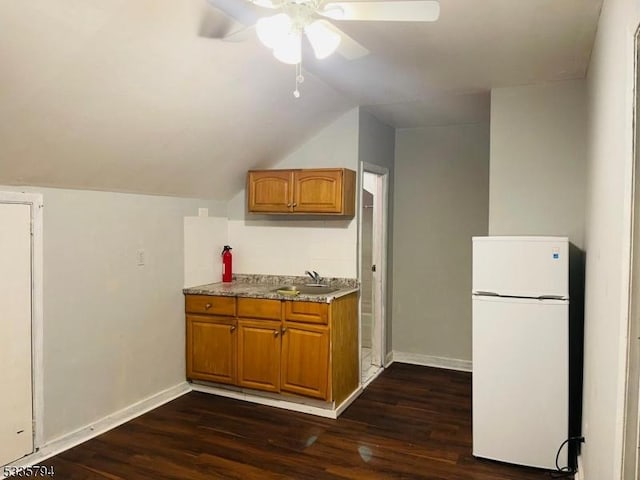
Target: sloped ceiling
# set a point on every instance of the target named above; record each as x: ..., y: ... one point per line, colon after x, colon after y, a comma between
x: 125, y: 95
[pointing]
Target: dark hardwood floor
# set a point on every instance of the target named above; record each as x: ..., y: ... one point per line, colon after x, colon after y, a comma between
x: 411, y: 423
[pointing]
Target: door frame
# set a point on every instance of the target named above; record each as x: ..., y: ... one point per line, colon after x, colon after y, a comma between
x: 380, y: 260
x: 631, y: 426
x: 34, y: 200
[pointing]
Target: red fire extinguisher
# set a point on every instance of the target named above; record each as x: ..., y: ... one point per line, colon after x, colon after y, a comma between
x: 226, y: 264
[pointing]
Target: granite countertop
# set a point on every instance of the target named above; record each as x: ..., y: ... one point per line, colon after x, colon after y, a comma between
x: 264, y: 286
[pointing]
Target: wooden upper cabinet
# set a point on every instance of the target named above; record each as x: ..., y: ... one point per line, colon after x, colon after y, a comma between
x: 318, y: 191
x: 270, y: 191
x: 327, y: 191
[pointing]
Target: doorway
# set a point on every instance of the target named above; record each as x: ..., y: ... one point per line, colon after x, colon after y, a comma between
x: 20, y: 307
x: 631, y: 452
x: 373, y: 248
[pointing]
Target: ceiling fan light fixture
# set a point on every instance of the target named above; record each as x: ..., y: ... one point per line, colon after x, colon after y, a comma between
x: 264, y: 3
x: 323, y: 40
x: 273, y: 30
x: 289, y: 50
x: 331, y: 10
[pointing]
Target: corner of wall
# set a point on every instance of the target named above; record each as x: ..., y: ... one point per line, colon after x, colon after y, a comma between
x: 328, y: 246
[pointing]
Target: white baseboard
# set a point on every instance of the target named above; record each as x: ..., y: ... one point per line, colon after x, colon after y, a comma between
x: 388, y: 359
x: 580, y: 472
x: 326, y: 412
x: 431, y: 361
x: 348, y: 401
x: 70, y: 440
x: 372, y: 377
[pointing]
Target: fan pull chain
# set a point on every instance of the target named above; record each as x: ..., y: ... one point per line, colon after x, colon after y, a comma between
x: 299, y: 79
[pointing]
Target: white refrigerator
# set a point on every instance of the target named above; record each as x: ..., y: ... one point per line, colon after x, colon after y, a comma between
x: 520, y: 308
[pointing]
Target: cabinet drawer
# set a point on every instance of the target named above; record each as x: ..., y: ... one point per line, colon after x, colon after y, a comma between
x: 210, y: 305
x: 259, y: 308
x: 307, y: 312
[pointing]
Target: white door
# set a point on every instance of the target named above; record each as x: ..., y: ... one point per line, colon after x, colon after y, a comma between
x: 520, y: 380
x: 16, y: 434
x: 372, y: 249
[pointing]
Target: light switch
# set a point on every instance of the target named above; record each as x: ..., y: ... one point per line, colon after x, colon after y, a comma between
x: 140, y: 257
x: 203, y: 212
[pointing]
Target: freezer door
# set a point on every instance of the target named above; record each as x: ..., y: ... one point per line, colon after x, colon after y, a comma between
x: 521, y: 266
x: 520, y: 380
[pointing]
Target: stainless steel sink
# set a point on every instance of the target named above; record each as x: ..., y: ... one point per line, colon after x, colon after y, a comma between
x: 310, y: 289
x: 316, y: 289
x: 288, y: 290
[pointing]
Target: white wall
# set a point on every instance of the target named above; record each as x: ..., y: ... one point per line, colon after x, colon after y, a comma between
x: 441, y: 201
x: 610, y: 103
x: 113, y: 331
x: 204, y: 238
x: 538, y: 158
x: 282, y: 246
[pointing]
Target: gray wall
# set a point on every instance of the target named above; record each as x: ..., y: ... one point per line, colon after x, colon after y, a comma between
x: 441, y: 201
x: 376, y: 145
x: 538, y: 159
x: 113, y: 331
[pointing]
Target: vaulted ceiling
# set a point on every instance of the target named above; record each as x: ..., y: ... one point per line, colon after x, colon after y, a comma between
x: 128, y: 95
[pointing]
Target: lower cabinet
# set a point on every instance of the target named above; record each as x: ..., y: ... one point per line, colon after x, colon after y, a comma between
x: 305, y: 360
x: 211, y: 348
x: 259, y: 354
x: 304, y: 348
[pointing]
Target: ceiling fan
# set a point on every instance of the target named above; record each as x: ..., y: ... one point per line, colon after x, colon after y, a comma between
x: 283, y: 30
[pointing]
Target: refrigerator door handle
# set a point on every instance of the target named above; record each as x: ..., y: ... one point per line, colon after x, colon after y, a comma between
x: 552, y: 297
x: 485, y: 293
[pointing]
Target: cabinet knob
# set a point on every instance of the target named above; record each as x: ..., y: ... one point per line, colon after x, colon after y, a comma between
x: 284, y: 330
x: 233, y: 327
x: 295, y: 205
x: 289, y: 205
x: 276, y: 333
x: 207, y: 306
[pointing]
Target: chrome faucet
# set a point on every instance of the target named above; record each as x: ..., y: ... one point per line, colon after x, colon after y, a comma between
x: 315, y: 276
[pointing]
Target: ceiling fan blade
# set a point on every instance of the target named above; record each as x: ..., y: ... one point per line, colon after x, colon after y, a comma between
x: 240, y: 35
x: 214, y: 25
x: 323, y: 39
x: 400, y: 11
x: 348, y: 47
x: 244, y: 12
x: 267, y: 3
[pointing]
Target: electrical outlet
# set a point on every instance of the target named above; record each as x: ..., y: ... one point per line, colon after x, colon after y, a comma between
x: 140, y: 257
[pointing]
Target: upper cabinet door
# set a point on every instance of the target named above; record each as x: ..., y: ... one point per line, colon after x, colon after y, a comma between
x: 270, y: 191
x: 318, y: 191
x: 329, y: 191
